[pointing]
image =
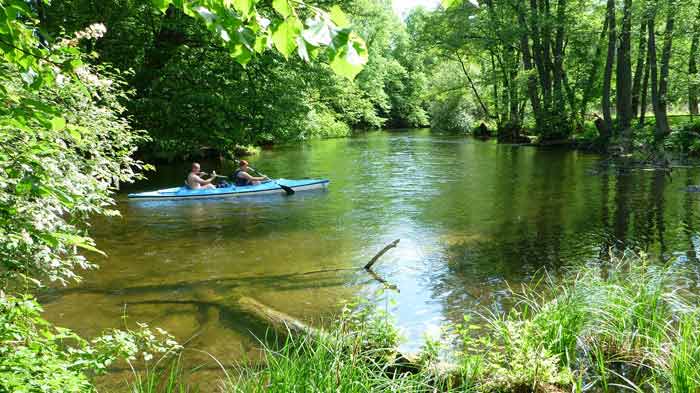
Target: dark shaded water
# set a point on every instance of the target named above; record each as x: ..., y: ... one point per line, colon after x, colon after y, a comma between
x: 471, y: 217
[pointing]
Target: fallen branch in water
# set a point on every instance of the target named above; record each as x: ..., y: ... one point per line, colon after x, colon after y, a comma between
x: 280, y: 322
x: 386, y: 248
x: 285, y: 325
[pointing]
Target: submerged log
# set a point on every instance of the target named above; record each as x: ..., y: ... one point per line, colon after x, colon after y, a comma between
x: 285, y: 325
x: 278, y: 321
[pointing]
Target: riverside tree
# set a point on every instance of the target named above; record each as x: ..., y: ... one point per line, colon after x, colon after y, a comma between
x: 549, y: 66
x: 193, y: 98
x: 66, y: 143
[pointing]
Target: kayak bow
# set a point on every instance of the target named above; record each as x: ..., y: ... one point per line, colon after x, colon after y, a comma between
x: 266, y: 188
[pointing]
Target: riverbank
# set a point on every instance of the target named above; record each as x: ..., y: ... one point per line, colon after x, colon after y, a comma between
x: 624, y: 323
x: 682, y: 144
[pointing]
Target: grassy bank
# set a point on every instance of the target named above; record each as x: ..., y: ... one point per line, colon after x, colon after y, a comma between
x: 611, y: 326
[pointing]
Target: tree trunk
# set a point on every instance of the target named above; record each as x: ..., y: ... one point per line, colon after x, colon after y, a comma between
x: 494, y: 82
x: 624, y: 78
x: 693, y: 67
x: 473, y: 87
x: 570, y: 93
x: 639, y: 69
x: 653, y: 69
x: 532, y: 79
x: 662, y: 127
x: 593, y: 73
x: 545, y: 34
x: 559, y: 59
x: 644, y: 92
x: 693, y: 73
x: 624, y: 70
x: 538, y: 56
x: 610, y: 61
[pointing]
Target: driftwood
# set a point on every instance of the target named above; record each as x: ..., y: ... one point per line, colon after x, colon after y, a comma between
x: 386, y: 284
x: 285, y: 325
x: 278, y: 321
x: 374, y: 259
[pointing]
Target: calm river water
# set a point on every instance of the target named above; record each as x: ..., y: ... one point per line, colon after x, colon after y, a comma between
x: 472, y: 216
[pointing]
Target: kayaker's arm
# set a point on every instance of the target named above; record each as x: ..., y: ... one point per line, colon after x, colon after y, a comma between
x: 203, y: 182
x: 247, y: 176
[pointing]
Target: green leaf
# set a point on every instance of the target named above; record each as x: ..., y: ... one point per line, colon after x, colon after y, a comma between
x: 338, y: 17
x: 241, y: 54
x: 75, y: 133
x: 285, y: 34
x: 261, y: 43
x: 318, y: 33
x: 245, y: 7
x: 282, y: 7
x: 75, y: 64
x: 65, y: 199
x: 161, y: 5
x: 206, y: 14
x: 58, y: 123
x: 447, y: 4
x: 351, y: 57
x: 301, y: 49
x: 246, y: 37
x: 78, y: 241
x: 24, y: 186
x: 223, y: 33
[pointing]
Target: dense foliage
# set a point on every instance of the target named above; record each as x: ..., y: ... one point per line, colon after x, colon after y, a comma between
x: 193, y: 98
x: 67, y: 142
x: 183, y: 78
x: 548, y: 68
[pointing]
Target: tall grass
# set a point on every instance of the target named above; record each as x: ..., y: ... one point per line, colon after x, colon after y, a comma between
x: 165, y: 376
x: 624, y: 324
x: 610, y: 326
x: 356, y: 356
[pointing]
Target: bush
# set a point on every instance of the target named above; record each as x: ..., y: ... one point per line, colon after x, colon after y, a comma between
x: 322, y: 123
x: 65, y: 145
x: 36, y: 356
x: 451, y: 114
x: 63, y: 150
x: 685, y: 139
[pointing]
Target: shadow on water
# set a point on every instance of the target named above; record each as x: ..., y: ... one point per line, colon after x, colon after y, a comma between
x: 473, y: 217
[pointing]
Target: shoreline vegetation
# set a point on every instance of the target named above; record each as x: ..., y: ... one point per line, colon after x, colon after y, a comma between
x: 622, y: 324
x: 89, y: 87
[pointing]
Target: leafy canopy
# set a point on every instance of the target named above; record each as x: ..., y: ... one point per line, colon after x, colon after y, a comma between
x: 247, y: 31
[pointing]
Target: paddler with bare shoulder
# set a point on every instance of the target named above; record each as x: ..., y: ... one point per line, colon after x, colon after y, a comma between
x: 195, y: 182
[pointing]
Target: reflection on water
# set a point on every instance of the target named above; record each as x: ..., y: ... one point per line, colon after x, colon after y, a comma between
x: 472, y: 217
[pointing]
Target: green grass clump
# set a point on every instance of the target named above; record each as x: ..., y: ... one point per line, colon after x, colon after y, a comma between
x: 625, y: 324
x: 618, y: 325
x: 611, y: 326
x: 357, y: 355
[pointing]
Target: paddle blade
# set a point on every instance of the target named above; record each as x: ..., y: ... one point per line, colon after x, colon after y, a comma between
x: 287, y: 189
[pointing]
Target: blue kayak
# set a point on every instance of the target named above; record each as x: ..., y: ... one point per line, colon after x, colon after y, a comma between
x: 266, y: 188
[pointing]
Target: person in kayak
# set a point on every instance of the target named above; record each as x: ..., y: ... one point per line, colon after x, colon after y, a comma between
x: 195, y: 182
x: 241, y: 177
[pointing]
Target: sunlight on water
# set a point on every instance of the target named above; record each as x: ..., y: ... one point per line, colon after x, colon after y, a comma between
x: 472, y: 216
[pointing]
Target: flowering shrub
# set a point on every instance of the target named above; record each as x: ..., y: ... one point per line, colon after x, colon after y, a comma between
x: 65, y: 145
x: 36, y: 356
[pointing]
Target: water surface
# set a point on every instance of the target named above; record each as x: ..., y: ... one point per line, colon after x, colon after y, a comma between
x: 472, y: 217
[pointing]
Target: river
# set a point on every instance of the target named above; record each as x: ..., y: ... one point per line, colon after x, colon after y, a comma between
x: 472, y: 217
